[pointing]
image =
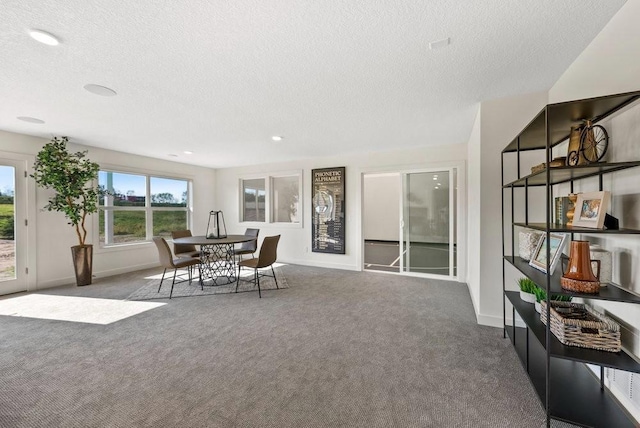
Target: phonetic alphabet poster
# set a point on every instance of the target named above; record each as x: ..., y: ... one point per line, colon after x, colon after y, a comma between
x: 327, y: 231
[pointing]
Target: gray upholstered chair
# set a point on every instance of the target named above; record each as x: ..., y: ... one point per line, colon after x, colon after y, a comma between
x: 266, y: 258
x: 248, y: 247
x: 168, y: 262
x: 184, y: 250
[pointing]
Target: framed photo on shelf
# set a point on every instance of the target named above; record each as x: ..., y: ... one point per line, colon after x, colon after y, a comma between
x: 591, y: 209
x: 539, y: 256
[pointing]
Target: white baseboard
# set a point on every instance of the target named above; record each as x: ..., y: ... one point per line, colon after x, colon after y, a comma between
x: 320, y: 264
x: 118, y: 271
x: 489, y: 320
x: 100, y: 274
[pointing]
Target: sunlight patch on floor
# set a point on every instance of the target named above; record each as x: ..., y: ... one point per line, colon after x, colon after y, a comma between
x: 74, y: 309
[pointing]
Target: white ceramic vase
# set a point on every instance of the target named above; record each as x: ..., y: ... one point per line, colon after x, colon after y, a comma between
x: 538, y: 307
x: 606, y: 262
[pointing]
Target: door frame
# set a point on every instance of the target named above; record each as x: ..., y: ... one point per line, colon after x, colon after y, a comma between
x: 24, y: 165
x: 460, y: 215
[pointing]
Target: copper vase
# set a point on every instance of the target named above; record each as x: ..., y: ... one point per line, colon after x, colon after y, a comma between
x: 83, y: 263
x: 579, y: 276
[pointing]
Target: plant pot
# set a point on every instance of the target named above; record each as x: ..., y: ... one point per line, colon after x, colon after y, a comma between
x: 528, y: 297
x: 538, y: 307
x: 82, y: 263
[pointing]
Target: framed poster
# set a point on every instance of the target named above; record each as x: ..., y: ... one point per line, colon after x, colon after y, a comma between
x: 327, y: 210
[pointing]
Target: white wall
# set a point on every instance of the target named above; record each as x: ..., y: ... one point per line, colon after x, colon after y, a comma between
x: 474, y: 224
x: 295, y: 243
x: 54, y: 237
x: 381, y: 194
x: 609, y: 65
x: 499, y: 122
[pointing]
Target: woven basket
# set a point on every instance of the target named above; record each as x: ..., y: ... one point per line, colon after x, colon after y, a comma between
x: 575, y: 324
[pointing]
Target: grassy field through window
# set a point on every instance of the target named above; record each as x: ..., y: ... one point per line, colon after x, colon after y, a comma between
x: 130, y: 226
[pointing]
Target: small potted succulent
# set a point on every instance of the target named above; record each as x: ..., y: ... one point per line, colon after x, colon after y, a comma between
x: 542, y: 295
x: 527, y: 287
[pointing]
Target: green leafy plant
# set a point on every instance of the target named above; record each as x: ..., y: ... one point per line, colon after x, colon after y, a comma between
x: 72, y: 177
x: 527, y: 285
x: 542, y: 295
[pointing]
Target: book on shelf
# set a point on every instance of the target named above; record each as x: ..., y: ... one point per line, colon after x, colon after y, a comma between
x: 562, y: 205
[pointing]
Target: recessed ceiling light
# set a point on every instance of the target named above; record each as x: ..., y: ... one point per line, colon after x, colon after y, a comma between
x: 438, y: 44
x: 439, y: 184
x: 435, y: 177
x: 171, y: 155
x: 44, y: 37
x: 188, y: 152
x: 100, y: 90
x: 31, y: 119
x: 277, y: 138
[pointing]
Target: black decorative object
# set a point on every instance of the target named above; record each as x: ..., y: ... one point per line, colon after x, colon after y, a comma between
x: 218, y: 229
x: 611, y: 222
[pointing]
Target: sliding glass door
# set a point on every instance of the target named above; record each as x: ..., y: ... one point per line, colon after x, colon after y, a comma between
x: 12, y: 227
x: 428, y: 224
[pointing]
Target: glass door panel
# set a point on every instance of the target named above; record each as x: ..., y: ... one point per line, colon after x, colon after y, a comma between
x: 7, y: 224
x: 13, y: 253
x: 428, y: 224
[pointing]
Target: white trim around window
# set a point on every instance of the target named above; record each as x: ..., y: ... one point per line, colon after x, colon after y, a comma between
x: 278, y: 196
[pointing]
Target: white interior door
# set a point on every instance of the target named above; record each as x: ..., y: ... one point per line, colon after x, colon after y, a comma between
x: 13, y: 227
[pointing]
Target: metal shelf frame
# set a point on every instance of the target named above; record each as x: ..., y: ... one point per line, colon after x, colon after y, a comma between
x: 546, y: 130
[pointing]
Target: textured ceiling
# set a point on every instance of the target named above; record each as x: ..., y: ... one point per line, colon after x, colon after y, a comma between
x: 333, y: 77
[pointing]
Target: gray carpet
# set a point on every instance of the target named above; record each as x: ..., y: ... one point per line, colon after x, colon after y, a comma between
x: 336, y: 349
x: 150, y: 291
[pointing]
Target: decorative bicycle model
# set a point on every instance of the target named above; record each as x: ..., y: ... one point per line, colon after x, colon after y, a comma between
x: 594, y: 142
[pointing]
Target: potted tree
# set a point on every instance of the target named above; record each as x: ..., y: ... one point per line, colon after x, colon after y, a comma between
x: 72, y: 176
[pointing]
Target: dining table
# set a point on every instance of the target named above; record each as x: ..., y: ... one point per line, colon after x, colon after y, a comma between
x: 217, y: 261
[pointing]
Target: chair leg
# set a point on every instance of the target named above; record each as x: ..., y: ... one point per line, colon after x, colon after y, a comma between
x: 173, y: 282
x: 162, y: 279
x: 274, y: 277
x: 258, y: 281
x: 238, y: 278
x: 189, y: 273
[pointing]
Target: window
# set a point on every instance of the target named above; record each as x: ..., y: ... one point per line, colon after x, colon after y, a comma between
x: 253, y: 201
x: 285, y: 199
x: 141, y: 207
x: 273, y: 199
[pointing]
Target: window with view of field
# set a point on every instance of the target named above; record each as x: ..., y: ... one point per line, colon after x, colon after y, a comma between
x: 140, y: 207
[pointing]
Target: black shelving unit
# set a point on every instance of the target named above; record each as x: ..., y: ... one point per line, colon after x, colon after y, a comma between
x: 567, y: 388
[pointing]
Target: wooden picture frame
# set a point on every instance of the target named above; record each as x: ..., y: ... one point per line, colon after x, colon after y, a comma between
x: 539, y: 256
x: 591, y: 209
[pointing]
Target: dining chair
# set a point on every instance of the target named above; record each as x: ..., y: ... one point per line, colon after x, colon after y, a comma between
x: 266, y: 258
x: 248, y: 247
x: 184, y: 250
x: 168, y: 262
